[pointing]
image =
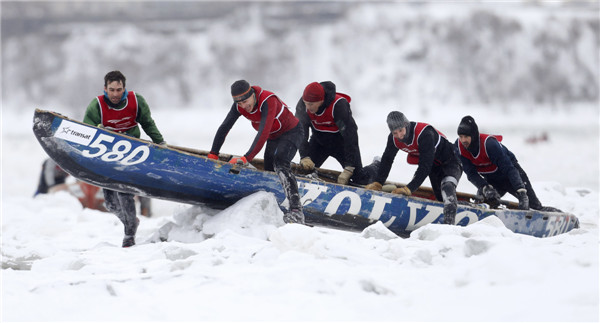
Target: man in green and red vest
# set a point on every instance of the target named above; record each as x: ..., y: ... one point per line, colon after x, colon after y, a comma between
x: 122, y: 111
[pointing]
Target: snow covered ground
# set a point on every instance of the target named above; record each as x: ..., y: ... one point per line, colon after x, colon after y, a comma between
x: 64, y: 263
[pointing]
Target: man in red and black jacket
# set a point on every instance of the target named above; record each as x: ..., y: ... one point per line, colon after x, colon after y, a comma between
x: 334, y: 133
x: 277, y: 128
x: 492, y: 168
x: 431, y: 151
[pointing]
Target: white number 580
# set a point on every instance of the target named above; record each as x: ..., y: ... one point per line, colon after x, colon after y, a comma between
x: 118, y: 152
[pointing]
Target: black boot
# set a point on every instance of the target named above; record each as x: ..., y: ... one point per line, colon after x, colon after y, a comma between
x: 449, y: 213
x: 290, y: 187
x: 129, y: 239
x: 294, y: 216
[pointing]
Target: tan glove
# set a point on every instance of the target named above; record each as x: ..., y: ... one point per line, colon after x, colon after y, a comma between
x: 402, y: 190
x: 376, y: 186
x: 307, y: 164
x: 345, y: 175
x: 389, y: 188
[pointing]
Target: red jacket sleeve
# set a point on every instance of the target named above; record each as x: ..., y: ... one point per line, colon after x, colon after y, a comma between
x: 267, y: 118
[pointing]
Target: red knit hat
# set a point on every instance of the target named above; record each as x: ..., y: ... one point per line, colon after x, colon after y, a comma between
x: 313, y: 92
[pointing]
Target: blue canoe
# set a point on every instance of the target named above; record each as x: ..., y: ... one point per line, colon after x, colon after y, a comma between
x: 119, y: 162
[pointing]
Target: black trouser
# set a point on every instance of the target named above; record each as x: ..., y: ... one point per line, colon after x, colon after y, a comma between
x: 278, y: 157
x: 319, y: 152
x: 123, y: 206
x: 444, y: 179
x: 439, y: 172
x: 503, y: 186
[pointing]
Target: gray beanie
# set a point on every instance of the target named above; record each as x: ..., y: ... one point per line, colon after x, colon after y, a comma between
x: 397, y: 120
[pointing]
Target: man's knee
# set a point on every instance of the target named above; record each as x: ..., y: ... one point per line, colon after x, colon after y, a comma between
x: 448, y: 188
x: 281, y: 164
x: 111, y: 201
x: 449, y: 182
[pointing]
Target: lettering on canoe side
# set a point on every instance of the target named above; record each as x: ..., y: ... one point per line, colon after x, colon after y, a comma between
x: 311, y: 192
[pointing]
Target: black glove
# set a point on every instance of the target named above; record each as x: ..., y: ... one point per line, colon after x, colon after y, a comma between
x: 523, y: 199
x: 490, y: 196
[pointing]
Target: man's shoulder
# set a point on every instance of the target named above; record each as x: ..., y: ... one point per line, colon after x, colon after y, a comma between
x: 93, y: 105
x: 141, y: 101
x: 492, y: 142
x: 341, y: 108
x: 494, y: 148
x: 343, y: 102
x: 428, y: 131
x: 138, y: 95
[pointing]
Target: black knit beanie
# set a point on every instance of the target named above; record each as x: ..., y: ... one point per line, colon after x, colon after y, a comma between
x: 468, y: 127
x: 397, y: 120
x: 241, y: 90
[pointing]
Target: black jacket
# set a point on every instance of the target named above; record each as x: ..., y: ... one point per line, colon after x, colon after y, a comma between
x: 343, y: 119
x: 429, y: 155
x: 500, y: 156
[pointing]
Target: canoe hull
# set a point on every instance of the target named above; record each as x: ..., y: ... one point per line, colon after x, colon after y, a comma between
x: 122, y: 163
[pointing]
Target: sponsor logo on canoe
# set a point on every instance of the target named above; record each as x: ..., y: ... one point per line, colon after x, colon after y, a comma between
x: 102, y: 146
x: 403, y: 213
x: 379, y: 207
x: 75, y: 132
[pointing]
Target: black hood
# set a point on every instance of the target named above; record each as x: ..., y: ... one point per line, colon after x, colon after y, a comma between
x: 468, y: 127
x: 410, y: 133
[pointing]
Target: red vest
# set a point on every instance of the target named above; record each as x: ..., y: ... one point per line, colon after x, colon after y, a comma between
x: 324, y: 122
x: 254, y: 116
x: 413, y: 148
x: 119, y: 120
x: 482, y: 161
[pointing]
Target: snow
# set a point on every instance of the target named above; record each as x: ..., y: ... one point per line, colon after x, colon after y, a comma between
x: 243, y: 263
x: 61, y: 262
